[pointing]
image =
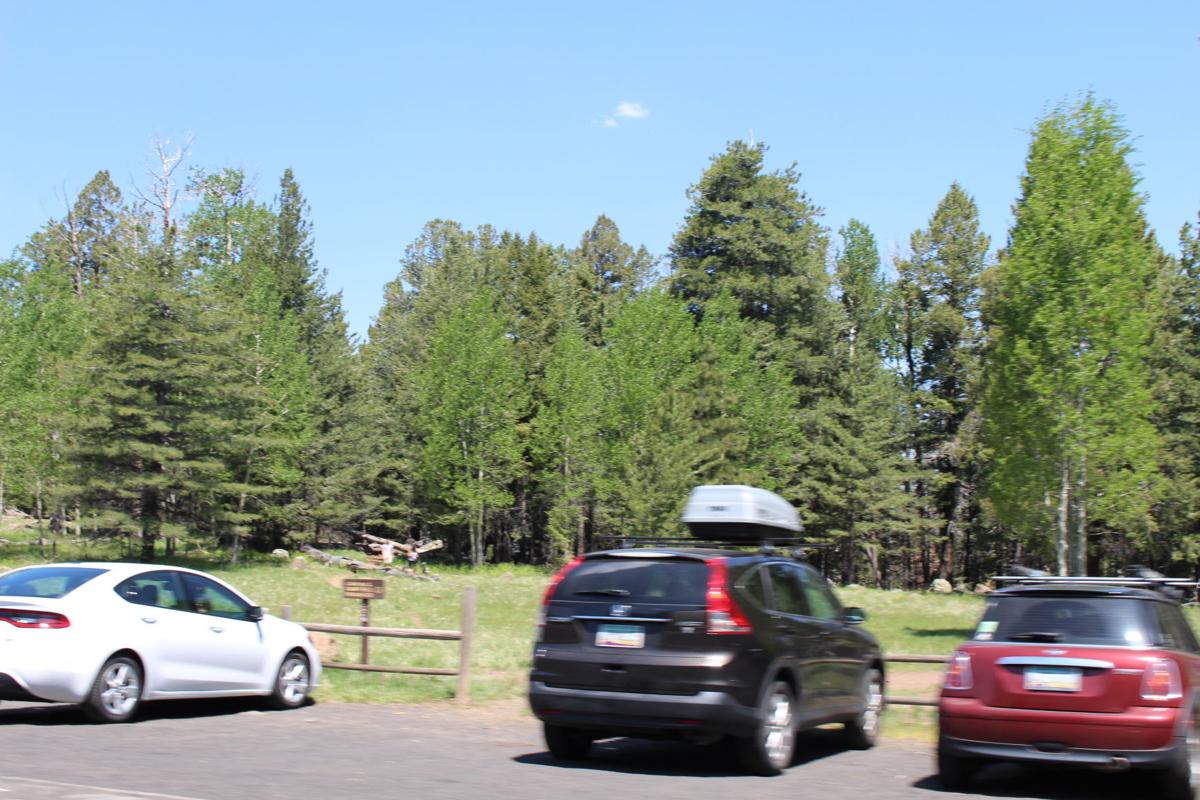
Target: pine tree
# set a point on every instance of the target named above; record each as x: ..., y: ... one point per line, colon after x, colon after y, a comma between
x: 1070, y: 315
x: 1176, y: 360
x: 940, y: 282
x: 605, y: 272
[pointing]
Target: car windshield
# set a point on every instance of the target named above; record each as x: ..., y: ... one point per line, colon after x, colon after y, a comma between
x: 628, y: 580
x: 1064, y: 619
x: 50, y: 581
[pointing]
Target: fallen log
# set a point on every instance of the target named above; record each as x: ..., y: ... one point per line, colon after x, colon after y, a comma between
x: 355, y: 565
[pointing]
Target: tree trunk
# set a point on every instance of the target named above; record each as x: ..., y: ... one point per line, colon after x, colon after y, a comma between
x: 1062, y: 532
x: 1081, y: 548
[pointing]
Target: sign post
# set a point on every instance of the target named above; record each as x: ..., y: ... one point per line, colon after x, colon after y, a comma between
x: 365, y: 590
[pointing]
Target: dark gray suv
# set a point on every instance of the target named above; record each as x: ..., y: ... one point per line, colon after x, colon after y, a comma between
x: 698, y: 644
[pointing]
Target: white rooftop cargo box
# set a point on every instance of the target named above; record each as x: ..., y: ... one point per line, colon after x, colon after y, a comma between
x: 739, y: 513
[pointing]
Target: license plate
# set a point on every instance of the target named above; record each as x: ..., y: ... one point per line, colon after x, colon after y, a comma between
x: 1053, y: 679
x: 620, y: 636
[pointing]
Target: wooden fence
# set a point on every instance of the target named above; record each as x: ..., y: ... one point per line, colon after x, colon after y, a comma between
x: 464, y: 636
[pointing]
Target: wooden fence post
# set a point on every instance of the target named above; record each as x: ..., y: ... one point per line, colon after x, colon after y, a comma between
x: 463, y: 694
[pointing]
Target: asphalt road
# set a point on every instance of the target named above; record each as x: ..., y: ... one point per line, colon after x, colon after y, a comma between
x: 230, y: 750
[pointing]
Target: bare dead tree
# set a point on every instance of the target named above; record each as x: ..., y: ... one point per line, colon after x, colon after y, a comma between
x: 164, y: 190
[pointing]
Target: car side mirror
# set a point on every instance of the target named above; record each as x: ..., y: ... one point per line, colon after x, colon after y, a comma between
x: 255, y: 613
x: 854, y: 615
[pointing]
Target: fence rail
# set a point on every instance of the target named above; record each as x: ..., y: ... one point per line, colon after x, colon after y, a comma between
x: 464, y: 636
x: 903, y: 700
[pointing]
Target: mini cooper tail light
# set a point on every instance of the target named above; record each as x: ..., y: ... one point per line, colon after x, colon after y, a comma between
x: 958, y: 672
x: 554, y: 582
x: 1161, y: 681
x: 723, y: 613
x: 22, y: 618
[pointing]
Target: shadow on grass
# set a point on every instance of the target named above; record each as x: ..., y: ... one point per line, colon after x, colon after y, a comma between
x: 959, y: 633
x: 677, y: 758
x: 1049, y: 782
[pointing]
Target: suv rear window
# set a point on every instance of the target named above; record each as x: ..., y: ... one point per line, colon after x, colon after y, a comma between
x: 1112, y: 621
x: 637, y: 580
x: 46, y: 581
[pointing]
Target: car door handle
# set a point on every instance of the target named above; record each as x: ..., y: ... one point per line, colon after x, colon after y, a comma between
x: 216, y: 628
x: 149, y: 620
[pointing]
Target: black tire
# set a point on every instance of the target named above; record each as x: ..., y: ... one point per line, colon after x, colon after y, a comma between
x: 862, y: 732
x: 770, y: 749
x: 1181, y: 780
x: 567, y: 744
x: 293, y: 680
x: 955, y: 772
x: 117, y: 691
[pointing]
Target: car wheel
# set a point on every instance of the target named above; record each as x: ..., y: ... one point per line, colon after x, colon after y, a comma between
x: 117, y: 691
x: 863, y: 731
x: 771, y: 747
x: 291, y: 682
x: 568, y: 744
x: 954, y: 771
x: 1181, y: 780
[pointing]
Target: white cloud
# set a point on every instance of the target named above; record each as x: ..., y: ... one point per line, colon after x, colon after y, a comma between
x: 625, y: 110
x: 632, y: 110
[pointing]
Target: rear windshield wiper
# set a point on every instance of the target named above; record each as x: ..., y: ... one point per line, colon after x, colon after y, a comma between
x: 605, y: 592
x: 1037, y: 636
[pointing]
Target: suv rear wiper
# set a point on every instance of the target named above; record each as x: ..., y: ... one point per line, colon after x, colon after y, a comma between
x: 606, y: 592
x: 1037, y: 636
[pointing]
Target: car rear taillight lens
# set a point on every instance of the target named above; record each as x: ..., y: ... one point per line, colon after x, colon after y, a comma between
x: 958, y: 672
x: 1161, y: 681
x: 554, y: 582
x: 22, y: 618
x: 723, y: 613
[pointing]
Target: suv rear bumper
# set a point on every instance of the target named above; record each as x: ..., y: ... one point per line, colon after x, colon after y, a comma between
x: 631, y: 713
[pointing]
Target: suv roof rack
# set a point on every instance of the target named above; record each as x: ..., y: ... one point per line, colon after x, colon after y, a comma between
x: 768, y: 543
x: 1172, y: 587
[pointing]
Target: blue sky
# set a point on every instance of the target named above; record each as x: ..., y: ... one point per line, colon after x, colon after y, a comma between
x: 541, y: 116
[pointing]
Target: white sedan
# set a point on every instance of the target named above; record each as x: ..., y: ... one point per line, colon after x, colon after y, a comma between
x: 110, y: 635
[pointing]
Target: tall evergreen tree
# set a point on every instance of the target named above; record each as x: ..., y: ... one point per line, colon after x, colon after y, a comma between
x: 940, y: 285
x: 1070, y: 314
x: 1176, y: 360
x: 605, y: 272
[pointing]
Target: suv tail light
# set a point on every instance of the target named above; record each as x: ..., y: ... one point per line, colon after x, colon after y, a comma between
x: 958, y: 672
x: 723, y: 613
x: 1161, y: 681
x: 22, y: 618
x: 554, y: 582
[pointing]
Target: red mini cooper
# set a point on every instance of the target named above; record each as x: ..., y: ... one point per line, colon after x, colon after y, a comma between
x: 1091, y: 672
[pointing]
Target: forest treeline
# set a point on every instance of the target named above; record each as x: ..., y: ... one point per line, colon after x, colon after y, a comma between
x: 177, y: 373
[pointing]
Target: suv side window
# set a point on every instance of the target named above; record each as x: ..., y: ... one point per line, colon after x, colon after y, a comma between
x: 158, y: 589
x: 786, y: 591
x: 754, y: 586
x: 820, y: 597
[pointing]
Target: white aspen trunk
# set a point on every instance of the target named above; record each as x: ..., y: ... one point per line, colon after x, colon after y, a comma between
x: 1081, y: 521
x: 1063, y: 531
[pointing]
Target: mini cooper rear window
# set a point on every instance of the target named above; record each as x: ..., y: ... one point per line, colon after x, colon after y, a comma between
x: 1112, y: 621
x: 46, y: 581
x: 637, y: 580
